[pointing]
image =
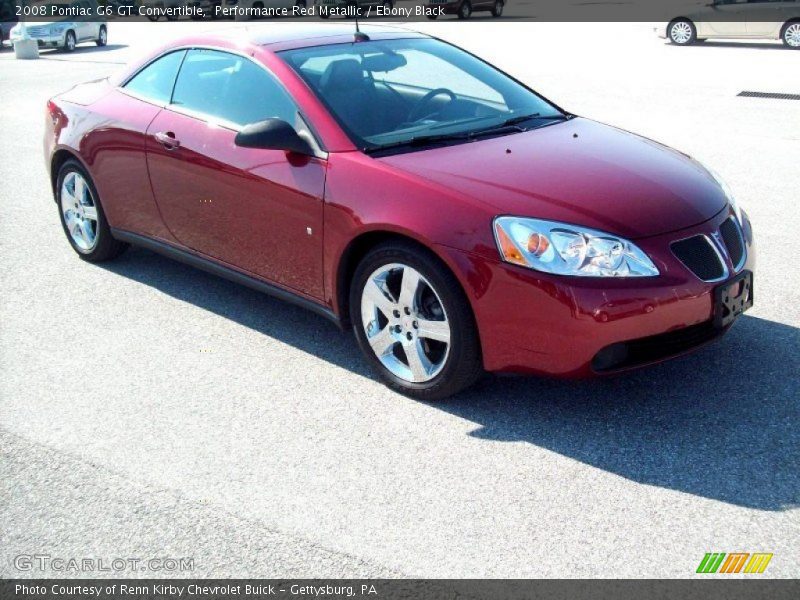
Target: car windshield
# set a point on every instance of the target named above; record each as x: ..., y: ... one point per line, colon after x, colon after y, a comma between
x: 407, y: 92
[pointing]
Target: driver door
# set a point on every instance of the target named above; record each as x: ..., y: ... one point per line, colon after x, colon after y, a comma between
x: 727, y: 18
x: 256, y: 210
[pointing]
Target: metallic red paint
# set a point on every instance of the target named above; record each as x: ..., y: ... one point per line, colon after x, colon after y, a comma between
x: 250, y: 209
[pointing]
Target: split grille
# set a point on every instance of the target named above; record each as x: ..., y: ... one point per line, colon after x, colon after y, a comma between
x: 732, y: 237
x: 700, y: 257
x: 703, y: 257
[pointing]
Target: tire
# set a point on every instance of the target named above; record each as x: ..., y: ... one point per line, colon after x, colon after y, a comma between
x: 497, y: 9
x: 70, y: 41
x: 301, y: 4
x: 102, y: 38
x: 438, y: 306
x: 104, y: 246
x: 465, y: 10
x: 388, y: 5
x: 790, y: 35
x: 682, y: 32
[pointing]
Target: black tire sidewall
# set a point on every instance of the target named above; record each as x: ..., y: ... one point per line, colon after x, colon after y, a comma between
x: 463, y: 365
x: 465, y: 10
x: 66, y: 41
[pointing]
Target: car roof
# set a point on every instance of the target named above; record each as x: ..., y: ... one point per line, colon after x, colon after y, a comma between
x: 299, y: 35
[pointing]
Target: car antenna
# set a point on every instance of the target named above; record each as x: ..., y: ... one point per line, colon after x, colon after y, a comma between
x: 358, y: 36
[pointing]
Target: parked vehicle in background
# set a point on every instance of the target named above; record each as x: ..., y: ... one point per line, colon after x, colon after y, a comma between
x: 737, y: 19
x: 8, y: 19
x: 65, y: 34
x: 463, y: 9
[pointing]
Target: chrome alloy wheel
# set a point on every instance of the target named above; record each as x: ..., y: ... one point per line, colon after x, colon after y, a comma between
x: 405, y: 323
x: 79, y: 211
x: 681, y: 32
x: 792, y: 35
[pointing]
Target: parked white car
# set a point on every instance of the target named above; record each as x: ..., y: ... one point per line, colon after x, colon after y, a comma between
x: 736, y: 19
x: 65, y: 34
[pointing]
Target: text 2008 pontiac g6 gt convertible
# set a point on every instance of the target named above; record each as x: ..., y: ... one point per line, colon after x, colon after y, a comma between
x: 457, y: 220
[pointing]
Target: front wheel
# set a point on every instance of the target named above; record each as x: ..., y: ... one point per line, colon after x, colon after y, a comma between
x: 82, y: 217
x: 414, y: 323
x: 682, y: 32
x: 791, y: 35
x: 465, y: 10
x: 497, y: 9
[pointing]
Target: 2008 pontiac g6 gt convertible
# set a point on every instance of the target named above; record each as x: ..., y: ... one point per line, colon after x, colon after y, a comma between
x: 458, y: 221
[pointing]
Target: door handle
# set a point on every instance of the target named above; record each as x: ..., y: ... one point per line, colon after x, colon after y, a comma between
x: 167, y: 139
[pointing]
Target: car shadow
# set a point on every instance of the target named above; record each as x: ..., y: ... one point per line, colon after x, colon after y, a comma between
x: 771, y: 45
x: 84, y: 49
x: 721, y: 423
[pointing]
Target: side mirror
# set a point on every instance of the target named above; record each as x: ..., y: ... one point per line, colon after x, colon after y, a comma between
x: 272, y: 134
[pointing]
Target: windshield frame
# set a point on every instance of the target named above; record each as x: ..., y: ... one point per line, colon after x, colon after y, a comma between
x: 458, y: 137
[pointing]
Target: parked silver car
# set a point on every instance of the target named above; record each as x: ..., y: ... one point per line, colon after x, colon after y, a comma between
x: 65, y: 34
x: 736, y: 19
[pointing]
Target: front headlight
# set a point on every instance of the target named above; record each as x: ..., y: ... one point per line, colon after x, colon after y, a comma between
x: 729, y: 194
x: 564, y: 249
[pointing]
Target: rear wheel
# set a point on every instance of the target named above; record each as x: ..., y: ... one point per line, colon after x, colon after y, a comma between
x: 82, y: 216
x: 70, y: 42
x: 497, y: 9
x: 102, y: 36
x: 682, y: 32
x: 791, y: 35
x: 465, y: 10
x: 414, y: 323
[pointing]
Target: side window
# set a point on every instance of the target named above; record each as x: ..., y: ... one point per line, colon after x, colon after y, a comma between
x: 230, y: 88
x: 155, y: 81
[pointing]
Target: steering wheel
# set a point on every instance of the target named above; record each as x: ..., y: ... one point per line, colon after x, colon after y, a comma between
x: 417, y: 112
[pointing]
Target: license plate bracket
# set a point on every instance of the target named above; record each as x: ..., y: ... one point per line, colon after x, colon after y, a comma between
x: 732, y: 298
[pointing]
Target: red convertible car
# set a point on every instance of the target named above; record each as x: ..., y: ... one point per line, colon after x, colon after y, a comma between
x: 454, y: 218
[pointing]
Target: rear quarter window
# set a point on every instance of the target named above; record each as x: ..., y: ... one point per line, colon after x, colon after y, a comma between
x: 156, y: 80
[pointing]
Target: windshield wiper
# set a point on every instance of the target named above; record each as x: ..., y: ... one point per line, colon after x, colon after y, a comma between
x: 522, y: 118
x: 508, y: 126
x: 419, y: 140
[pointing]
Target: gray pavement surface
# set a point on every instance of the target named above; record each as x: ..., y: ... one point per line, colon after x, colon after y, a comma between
x: 148, y: 409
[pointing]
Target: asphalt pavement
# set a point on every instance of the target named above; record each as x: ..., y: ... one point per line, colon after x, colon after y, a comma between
x: 149, y: 410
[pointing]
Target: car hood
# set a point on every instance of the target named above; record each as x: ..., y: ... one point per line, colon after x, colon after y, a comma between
x: 578, y: 172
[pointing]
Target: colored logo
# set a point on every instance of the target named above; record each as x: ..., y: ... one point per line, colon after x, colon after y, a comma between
x: 734, y: 562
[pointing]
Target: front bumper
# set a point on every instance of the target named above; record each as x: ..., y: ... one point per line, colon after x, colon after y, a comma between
x: 50, y: 40
x: 531, y: 322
